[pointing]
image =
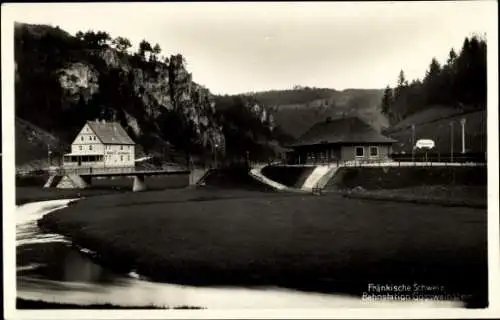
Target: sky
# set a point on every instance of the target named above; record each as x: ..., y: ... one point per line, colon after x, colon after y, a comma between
x: 243, y: 46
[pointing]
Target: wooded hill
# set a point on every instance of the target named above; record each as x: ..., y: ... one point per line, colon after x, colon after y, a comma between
x: 61, y: 81
x: 437, y: 104
x: 459, y: 83
x: 295, y: 111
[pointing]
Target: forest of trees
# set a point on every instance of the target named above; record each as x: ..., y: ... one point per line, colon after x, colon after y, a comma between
x: 156, y: 91
x: 297, y: 95
x: 459, y: 83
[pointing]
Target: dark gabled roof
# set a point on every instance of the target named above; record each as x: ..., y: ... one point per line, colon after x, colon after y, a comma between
x: 110, y: 132
x: 341, y: 130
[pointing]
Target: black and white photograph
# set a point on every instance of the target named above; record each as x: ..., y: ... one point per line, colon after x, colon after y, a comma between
x: 190, y: 157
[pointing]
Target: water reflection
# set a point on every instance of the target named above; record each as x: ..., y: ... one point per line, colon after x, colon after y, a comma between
x: 51, y: 256
x: 64, y: 263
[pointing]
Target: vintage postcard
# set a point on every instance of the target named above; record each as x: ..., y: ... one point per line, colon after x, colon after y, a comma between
x: 239, y: 159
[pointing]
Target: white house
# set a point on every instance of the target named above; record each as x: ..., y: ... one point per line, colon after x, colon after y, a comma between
x: 101, y: 144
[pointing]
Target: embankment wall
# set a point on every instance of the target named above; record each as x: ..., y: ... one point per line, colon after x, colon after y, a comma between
x: 293, y: 177
x: 404, y: 177
x: 233, y: 177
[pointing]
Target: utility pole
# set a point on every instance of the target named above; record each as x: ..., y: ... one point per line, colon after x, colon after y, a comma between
x: 462, y: 122
x: 48, y: 156
x: 413, y: 142
x: 215, y: 155
x: 451, y: 136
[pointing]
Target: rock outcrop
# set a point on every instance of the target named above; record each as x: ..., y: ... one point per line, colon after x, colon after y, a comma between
x: 63, y: 81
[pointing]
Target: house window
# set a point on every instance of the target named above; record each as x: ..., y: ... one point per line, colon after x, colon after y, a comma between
x: 81, y: 148
x: 360, y: 152
x: 121, y: 147
x: 121, y: 158
x: 373, y: 151
x: 90, y: 147
x: 81, y: 138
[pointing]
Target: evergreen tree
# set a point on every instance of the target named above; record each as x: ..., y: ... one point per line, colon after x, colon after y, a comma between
x: 434, y: 69
x: 121, y: 44
x: 157, y: 49
x: 400, y: 94
x: 471, y: 73
x: 433, y: 84
x: 94, y: 40
x: 415, y: 98
x: 144, y: 47
x: 102, y: 38
x: 452, y: 57
x: 387, y: 100
x: 448, y: 75
x: 155, y: 52
x: 402, y: 82
x: 477, y: 72
x: 461, y: 81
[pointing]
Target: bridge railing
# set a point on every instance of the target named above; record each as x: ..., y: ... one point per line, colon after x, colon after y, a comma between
x: 389, y: 163
x: 90, y: 171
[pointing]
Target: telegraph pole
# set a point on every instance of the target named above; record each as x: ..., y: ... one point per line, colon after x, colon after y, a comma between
x: 462, y: 122
x: 215, y: 155
x: 48, y: 156
x: 451, y: 136
x: 413, y: 142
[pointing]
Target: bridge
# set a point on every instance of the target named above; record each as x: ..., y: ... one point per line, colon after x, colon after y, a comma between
x: 74, y: 178
x: 118, y: 171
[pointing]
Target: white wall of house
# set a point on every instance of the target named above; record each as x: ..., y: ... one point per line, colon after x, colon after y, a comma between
x: 119, y: 155
x: 381, y: 152
x: 86, y: 142
x: 84, y: 164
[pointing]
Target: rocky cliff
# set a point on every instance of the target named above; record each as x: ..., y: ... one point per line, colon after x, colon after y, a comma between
x: 62, y: 81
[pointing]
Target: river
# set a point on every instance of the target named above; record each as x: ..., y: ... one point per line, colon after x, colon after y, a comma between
x: 50, y: 268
